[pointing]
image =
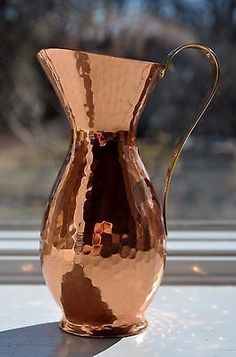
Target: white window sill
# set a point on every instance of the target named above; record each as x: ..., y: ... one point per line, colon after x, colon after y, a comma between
x: 184, y: 321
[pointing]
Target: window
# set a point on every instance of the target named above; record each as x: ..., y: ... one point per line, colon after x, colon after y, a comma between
x: 35, y: 135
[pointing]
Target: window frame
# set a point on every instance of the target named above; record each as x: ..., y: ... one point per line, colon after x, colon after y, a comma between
x: 197, y: 253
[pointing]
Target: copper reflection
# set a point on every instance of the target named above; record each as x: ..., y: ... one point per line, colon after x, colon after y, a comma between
x: 103, y: 235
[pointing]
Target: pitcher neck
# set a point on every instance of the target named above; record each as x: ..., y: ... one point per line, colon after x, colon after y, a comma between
x: 102, y: 138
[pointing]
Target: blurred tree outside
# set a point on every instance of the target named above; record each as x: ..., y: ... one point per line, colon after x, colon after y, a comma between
x: 34, y: 132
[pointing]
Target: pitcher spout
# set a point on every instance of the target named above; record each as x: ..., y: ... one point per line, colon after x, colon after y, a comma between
x: 99, y: 93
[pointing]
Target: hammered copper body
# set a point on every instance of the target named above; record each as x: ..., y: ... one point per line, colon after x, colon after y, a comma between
x: 104, y: 234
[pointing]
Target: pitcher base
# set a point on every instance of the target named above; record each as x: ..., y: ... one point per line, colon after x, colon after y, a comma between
x: 102, y: 331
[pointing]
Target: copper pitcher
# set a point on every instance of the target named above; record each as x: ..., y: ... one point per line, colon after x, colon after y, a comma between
x: 103, y: 240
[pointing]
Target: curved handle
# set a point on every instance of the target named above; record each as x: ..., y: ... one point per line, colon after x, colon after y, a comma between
x: 211, y: 56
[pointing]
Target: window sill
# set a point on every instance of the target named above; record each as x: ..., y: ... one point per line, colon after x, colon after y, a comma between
x: 183, y: 321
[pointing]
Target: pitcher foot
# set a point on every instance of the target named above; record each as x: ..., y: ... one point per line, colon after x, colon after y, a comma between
x: 102, y: 331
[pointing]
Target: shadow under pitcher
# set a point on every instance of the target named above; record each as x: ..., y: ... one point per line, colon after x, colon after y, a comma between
x: 103, y: 239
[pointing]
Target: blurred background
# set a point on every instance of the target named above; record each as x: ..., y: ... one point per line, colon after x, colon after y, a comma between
x: 34, y: 134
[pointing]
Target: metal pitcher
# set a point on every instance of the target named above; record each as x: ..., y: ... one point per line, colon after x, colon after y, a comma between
x: 103, y: 239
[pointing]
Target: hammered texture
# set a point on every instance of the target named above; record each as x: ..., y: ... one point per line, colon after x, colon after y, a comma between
x: 103, y: 237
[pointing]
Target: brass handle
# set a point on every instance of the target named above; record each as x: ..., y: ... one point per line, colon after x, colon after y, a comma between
x: 215, y: 69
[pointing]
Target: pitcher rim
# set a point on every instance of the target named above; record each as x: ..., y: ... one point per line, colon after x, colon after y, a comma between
x: 98, y: 54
